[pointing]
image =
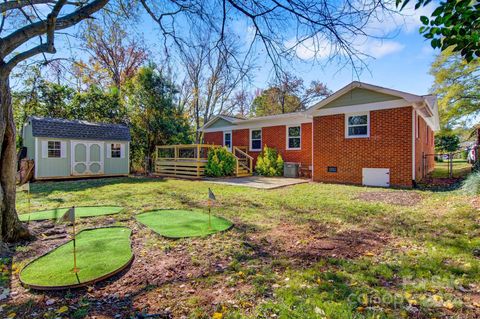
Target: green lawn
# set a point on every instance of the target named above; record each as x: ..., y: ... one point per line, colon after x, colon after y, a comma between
x: 57, y: 213
x: 460, y: 169
x: 183, y: 223
x: 99, y: 252
x: 280, y: 258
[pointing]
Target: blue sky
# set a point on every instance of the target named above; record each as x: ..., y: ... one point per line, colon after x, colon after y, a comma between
x: 400, y: 61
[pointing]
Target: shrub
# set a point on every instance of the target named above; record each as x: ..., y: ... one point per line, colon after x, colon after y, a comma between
x: 269, y: 163
x: 220, y: 163
x: 471, y: 185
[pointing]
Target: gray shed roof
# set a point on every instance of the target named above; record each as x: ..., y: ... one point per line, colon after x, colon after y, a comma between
x: 83, y: 130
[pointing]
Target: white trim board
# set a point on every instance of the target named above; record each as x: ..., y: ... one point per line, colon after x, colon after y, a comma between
x: 297, y: 120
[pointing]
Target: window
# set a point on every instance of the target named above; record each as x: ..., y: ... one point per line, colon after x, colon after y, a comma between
x: 54, y: 149
x: 357, y: 125
x: 294, y: 137
x: 256, y: 140
x: 116, y: 151
x: 227, y: 140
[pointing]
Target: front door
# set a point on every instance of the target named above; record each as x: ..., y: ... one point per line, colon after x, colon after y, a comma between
x: 87, y: 158
x: 227, y: 140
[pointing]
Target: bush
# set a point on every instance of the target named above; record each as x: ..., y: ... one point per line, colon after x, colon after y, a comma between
x: 220, y: 163
x: 471, y: 185
x: 269, y: 163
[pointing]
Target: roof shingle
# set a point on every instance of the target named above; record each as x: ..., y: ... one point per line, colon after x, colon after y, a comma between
x: 83, y: 130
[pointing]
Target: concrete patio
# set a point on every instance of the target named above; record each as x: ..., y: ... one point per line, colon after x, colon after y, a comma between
x: 260, y: 182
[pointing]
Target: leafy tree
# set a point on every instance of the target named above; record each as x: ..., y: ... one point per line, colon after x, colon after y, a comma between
x: 446, y: 142
x: 288, y: 94
x: 453, y: 24
x: 98, y: 105
x: 115, y: 55
x: 457, y: 85
x: 155, y: 119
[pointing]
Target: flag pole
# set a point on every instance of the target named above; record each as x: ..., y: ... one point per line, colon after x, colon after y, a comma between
x: 75, y: 270
x: 209, y: 214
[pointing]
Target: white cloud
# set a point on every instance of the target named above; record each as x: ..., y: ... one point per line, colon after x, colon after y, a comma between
x: 323, y: 49
x: 378, y: 48
x: 408, y: 20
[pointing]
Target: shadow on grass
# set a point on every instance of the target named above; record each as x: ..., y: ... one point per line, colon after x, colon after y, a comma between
x: 46, y: 188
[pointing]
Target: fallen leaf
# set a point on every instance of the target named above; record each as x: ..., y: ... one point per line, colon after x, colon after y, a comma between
x: 448, y: 305
x: 62, y: 309
x: 217, y: 315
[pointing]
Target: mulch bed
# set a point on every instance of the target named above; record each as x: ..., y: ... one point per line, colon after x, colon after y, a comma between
x: 402, y: 198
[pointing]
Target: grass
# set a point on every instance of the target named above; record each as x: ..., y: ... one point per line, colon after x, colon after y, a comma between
x: 183, y: 223
x: 461, y: 168
x: 99, y: 252
x: 424, y: 269
x: 57, y: 213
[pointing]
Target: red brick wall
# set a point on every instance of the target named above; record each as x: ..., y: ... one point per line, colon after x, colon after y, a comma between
x: 213, y: 138
x: 389, y: 146
x: 273, y: 136
x: 424, y: 144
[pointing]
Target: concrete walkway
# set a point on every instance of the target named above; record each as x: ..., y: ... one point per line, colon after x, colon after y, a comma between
x: 258, y: 181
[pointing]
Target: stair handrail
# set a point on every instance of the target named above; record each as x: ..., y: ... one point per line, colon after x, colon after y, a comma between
x: 248, y: 157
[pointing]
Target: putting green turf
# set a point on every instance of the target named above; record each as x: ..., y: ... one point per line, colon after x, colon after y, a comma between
x: 182, y: 223
x: 85, y: 211
x: 99, y: 252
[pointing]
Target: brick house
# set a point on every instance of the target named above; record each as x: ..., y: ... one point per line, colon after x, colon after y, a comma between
x: 361, y: 134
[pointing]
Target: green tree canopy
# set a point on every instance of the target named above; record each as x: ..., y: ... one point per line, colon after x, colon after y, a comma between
x: 155, y: 118
x: 453, y: 25
x: 457, y: 85
x: 446, y: 142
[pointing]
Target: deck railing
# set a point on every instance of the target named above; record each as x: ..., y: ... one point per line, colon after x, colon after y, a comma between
x: 187, y: 161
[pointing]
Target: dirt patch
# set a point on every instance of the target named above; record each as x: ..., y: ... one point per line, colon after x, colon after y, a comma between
x: 310, y: 242
x: 402, y: 198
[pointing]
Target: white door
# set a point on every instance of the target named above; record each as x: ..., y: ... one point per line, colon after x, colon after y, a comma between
x: 376, y: 177
x: 227, y: 140
x: 87, y: 158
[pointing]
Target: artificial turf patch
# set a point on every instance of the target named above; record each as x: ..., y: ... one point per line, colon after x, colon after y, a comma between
x: 183, y: 223
x: 81, y: 211
x: 100, y: 252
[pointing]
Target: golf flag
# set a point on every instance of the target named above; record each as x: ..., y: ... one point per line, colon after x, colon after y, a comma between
x: 69, y: 215
x: 211, y: 195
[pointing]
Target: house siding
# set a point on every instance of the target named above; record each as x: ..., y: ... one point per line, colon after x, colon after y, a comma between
x: 389, y: 146
x: 359, y: 96
x: 52, y: 167
x: 424, y: 144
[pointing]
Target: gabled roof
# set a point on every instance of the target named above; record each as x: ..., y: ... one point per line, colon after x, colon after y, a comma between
x: 356, y: 84
x: 83, y: 130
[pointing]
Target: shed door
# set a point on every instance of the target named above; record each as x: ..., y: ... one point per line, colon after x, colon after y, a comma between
x: 87, y: 158
x: 376, y: 177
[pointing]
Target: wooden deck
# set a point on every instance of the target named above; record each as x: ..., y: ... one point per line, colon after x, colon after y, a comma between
x: 189, y: 160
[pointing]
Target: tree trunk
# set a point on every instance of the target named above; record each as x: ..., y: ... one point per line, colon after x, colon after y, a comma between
x: 11, y: 229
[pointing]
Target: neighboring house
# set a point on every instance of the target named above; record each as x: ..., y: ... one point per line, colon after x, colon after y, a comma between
x: 361, y: 134
x: 64, y: 149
